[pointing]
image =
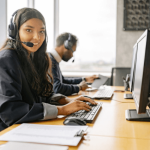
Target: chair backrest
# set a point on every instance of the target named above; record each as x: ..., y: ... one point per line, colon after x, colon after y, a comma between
x: 116, y: 75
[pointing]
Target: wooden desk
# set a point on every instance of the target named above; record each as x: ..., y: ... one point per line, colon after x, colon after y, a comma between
x: 110, y: 130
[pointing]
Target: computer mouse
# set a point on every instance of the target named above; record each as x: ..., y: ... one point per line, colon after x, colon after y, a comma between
x: 74, y: 121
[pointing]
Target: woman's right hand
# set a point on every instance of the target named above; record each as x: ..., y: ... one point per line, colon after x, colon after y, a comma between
x: 75, y: 105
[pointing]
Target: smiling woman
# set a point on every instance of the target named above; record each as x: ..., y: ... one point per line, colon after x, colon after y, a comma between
x: 26, y: 81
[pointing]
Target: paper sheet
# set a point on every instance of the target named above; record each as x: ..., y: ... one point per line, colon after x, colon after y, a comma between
x: 30, y: 146
x: 49, y: 134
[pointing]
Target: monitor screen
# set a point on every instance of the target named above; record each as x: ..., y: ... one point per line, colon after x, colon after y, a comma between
x: 132, y: 73
x: 142, y: 73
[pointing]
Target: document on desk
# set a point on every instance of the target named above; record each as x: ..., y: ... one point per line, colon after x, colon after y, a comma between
x: 48, y: 134
x: 30, y: 146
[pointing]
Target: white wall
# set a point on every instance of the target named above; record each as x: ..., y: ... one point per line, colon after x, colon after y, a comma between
x: 3, y: 21
x: 124, y: 39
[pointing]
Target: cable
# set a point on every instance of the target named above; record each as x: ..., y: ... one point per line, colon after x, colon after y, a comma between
x: 121, y: 101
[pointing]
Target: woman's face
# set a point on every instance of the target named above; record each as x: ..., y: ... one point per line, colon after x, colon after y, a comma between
x: 32, y: 31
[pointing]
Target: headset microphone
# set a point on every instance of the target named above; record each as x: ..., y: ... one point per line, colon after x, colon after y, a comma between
x: 29, y: 44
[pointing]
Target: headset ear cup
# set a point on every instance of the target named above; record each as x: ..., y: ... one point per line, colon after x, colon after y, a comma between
x: 12, y: 31
x: 68, y: 45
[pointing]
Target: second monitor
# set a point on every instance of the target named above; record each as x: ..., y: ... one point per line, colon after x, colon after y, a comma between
x: 132, y: 72
x: 140, y: 91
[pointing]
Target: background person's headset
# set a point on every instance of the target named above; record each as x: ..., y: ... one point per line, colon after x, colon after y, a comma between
x: 68, y: 44
x: 12, y: 30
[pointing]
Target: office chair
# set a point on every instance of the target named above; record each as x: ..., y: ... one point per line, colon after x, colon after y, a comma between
x: 116, y: 75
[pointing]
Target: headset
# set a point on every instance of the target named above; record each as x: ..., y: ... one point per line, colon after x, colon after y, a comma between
x: 12, y: 31
x: 12, y: 27
x: 68, y: 44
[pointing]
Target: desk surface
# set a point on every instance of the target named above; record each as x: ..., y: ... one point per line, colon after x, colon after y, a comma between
x: 110, y: 130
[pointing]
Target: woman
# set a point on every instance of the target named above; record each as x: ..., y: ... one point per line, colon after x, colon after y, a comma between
x: 25, y: 82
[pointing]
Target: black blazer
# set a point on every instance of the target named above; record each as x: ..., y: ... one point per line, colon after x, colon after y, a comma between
x: 63, y: 85
x: 18, y: 103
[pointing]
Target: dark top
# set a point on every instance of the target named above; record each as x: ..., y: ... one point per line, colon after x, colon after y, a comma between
x: 18, y: 103
x: 63, y: 85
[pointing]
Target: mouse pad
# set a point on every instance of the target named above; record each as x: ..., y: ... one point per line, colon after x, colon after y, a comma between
x: 98, y: 82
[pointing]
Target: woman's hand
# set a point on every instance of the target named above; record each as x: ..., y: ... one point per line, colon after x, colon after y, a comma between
x: 64, y: 100
x: 75, y: 105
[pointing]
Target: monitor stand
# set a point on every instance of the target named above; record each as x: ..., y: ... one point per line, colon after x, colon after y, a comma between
x: 128, y: 96
x: 131, y: 115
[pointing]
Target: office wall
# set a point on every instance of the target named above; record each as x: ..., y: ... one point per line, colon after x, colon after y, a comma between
x: 3, y: 20
x: 124, y: 39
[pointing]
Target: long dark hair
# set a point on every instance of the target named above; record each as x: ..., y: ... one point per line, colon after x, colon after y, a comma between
x: 37, y: 67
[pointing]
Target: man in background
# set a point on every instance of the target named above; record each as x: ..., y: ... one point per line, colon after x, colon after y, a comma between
x: 65, y: 47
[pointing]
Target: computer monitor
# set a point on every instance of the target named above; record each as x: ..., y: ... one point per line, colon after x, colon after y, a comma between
x: 132, y: 72
x: 141, y: 80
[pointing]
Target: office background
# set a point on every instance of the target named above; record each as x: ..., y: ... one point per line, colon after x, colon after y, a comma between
x: 120, y: 41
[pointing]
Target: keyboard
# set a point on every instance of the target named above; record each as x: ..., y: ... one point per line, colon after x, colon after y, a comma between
x: 88, y: 116
x: 103, y: 93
